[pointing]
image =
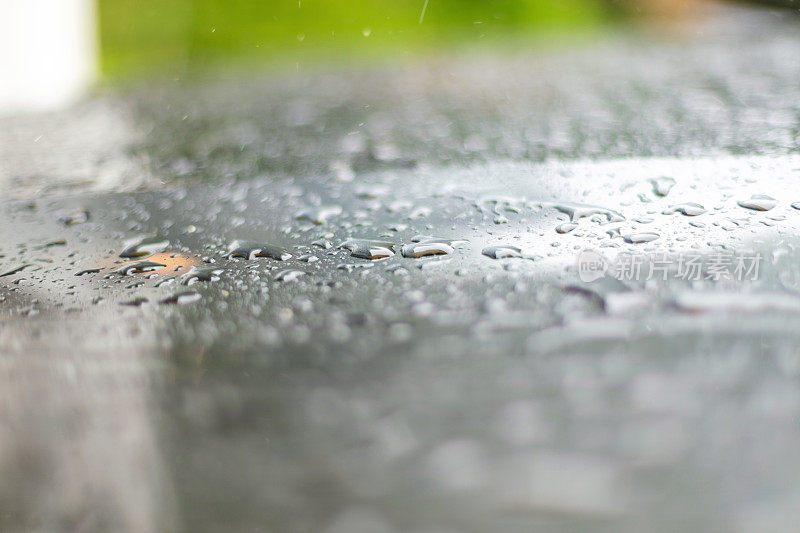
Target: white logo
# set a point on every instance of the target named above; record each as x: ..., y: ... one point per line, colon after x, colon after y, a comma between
x: 591, y: 265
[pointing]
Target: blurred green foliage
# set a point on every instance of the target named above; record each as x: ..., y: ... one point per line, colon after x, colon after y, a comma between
x: 139, y: 36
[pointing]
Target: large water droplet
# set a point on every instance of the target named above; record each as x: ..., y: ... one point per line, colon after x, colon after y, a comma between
x: 197, y: 274
x: 136, y: 302
x: 566, y: 227
x: 501, y: 251
x: 662, y: 185
x: 137, y: 267
x: 689, y: 209
x: 182, y: 298
x: 577, y: 211
x: 422, y: 246
x: 289, y: 275
x: 644, y: 236
x: 319, y: 215
x: 249, y: 250
x: 76, y: 217
x: 142, y: 246
x: 369, y: 249
x: 759, y: 202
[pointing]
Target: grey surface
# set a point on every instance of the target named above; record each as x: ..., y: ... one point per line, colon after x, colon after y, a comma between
x: 450, y: 393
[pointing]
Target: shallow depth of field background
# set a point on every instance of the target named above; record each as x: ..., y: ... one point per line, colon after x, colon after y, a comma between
x: 157, y: 36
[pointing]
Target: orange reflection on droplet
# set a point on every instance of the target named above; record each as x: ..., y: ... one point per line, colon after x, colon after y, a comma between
x: 171, y: 260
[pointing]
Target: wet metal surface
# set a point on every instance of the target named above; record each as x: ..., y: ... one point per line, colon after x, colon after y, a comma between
x: 347, y: 310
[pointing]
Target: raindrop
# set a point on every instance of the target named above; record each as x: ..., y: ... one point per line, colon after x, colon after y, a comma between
x: 501, y: 251
x: 136, y: 302
x: 662, y: 185
x: 197, y: 274
x: 637, y: 238
x: 137, y: 267
x: 142, y: 246
x: 319, y: 215
x: 322, y: 243
x: 77, y: 217
x: 566, y: 227
x: 15, y: 269
x: 689, y: 209
x: 88, y: 271
x: 182, y: 298
x: 369, y: 249
x: 249, y: 250
x: 427, y: 246
x: 289, y: 275
x: 759, y: 202
x: 577, y: 211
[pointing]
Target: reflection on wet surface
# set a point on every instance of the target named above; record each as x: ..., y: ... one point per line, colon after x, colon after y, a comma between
x: 375, y: 338
x: 304, y: 385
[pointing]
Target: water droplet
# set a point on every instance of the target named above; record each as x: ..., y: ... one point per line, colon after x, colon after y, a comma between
x: 249, y: 250
x: 566, y: 227
x: 689, y: 209
x: 136, y: 302
x: 796, y: 205
x: 322, y: 243
x: 319, y: 215
x: 369, y: 249
x: 501, y: 251
x: 197, y: 274
x: 137, y: 267
x: 289, y: 275
x: 142, y: 246
x: 662, y: 185
x: 644, y: 236
x: 308, y: 258
x: 182, y: 298
x: 759, y: 202
x: 16, y: 269
x: 577, y: 211
x: 431, y: 238
x: 427, y: 246
x: 88, y: 271
x: 76, y: 217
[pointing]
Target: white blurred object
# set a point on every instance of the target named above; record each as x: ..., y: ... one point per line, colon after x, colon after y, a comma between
x: 47, y: 53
